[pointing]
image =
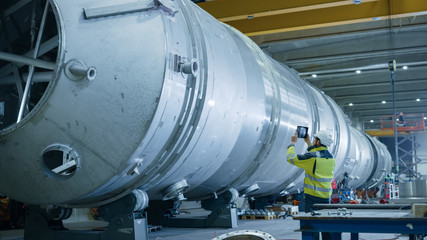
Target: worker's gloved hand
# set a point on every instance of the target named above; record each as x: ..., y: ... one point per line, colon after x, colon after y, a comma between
x: 307, y: 139
x: 294, y: 138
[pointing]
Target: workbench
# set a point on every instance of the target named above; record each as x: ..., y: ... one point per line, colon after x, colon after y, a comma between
x: 361, y: 221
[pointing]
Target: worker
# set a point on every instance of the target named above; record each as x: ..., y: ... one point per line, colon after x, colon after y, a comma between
x: 401, y: 120
x: 319, y: 166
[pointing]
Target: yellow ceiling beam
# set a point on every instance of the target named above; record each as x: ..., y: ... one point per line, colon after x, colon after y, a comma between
x: 260, y: 17
x: 290, y: 10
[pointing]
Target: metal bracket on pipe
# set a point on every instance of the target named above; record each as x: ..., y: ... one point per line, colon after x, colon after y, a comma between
x: 182, y: 64
x: 98, y: 12
x: 167, y: 6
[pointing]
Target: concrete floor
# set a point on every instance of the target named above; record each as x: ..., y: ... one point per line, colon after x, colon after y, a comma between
x: 278, y: 228
x: 281, y: 229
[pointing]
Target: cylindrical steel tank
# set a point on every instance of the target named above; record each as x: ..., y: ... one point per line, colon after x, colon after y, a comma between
x: 158, y: 95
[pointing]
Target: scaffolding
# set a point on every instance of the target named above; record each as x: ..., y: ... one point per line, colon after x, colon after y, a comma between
x: 410, y: 122
x: 408, y: 127
x: 409, y: 160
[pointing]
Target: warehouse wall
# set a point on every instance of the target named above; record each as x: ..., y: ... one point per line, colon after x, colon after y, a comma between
x: 422, y: 153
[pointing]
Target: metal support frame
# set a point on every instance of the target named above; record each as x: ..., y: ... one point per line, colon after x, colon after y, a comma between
x: 223, y: 213
x: 18, y: 5
x: 31, y: 68
x: 27, y: 61
x: 17, y: 76
x: 124, y: 224
x: 44, y: 48
x: 128, y: 226
x: 17, y: 79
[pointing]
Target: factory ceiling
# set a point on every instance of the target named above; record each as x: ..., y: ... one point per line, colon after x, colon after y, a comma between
x: 343, y: 48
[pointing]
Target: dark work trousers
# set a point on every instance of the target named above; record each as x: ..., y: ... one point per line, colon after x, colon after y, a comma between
x: 309, y: 202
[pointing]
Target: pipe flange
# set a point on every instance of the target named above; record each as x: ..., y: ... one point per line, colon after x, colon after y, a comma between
x: 76, y: 70
x: 190, y: 67
x: 245, y: 234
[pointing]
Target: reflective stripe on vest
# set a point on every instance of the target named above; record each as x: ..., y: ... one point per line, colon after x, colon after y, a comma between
x: 318, y: 189
x: 318, y: 179
x: 291, y: 157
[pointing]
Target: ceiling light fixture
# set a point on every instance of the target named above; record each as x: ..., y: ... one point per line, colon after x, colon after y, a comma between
x: 314, y: 75
x: 405, y: 67
x: 418, y: 100
x: 383, y: 102
x: 350, y: 104
x: 358, y: 71
x: 372, y: 121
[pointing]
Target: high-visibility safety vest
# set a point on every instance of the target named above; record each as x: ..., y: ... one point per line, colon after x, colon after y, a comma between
x: 319, y: 167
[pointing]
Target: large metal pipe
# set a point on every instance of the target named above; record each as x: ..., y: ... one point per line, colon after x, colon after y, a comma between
x: 181, y: 105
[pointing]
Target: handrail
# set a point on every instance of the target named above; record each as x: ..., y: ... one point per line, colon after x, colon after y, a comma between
x: 412, y: 122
